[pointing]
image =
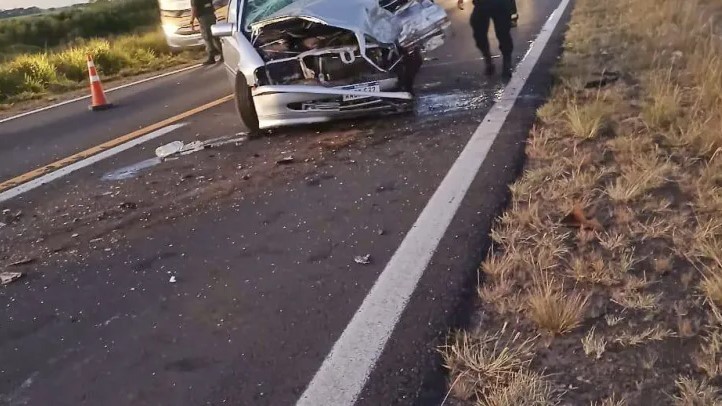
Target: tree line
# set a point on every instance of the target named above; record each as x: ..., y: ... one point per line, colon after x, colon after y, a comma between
x: 99, y: 19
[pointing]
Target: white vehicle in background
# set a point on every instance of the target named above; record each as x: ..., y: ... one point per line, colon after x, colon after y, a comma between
x: 175, y: 16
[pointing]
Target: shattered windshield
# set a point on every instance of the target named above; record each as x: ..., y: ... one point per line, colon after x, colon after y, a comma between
x: 256, y: 10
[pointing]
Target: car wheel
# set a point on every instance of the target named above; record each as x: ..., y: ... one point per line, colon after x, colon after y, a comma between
x: 244, y: 104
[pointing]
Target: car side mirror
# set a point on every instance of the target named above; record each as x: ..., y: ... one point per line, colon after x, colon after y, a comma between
x: 222, y: 30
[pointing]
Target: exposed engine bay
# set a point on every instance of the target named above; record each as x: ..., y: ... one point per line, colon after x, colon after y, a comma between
x: 334, y: 43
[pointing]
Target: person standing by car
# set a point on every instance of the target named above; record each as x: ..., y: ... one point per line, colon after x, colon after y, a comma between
x: 205, y: 13
x: 500, y: 11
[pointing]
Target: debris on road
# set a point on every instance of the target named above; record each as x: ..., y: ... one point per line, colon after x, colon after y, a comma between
x: 9, y: 277
x: 23, y: 261
x: 131, y: 170
x: 605, y: 79
x: 285, y: 160
x: 9, y: 218
x: 2, y: 225
x: 178, y: 147
x: 362, y: 259
x: 128, y: 206
x: 172, y: 279
x: 192, y: 147
x: 169, y: 149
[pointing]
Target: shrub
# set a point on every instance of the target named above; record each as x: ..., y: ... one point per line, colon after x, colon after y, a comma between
x: 36, y: 69
x: 152, y: 41
x: 11, y: 82
x: 71, y: 63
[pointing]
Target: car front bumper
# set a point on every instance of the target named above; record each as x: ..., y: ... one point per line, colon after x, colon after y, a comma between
x: 291, y: 105
x: 178, y: 42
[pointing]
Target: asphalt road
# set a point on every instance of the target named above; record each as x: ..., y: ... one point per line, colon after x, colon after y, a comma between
x: 261, y: 255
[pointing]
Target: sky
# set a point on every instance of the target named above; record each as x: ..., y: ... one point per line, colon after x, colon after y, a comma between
x: 6, y: 4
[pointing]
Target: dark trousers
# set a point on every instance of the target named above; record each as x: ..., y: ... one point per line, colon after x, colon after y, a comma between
x: 500, y: 12
x: 213, y: 44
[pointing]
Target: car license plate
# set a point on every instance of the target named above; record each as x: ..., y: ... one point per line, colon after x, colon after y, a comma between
x: 363, y: 87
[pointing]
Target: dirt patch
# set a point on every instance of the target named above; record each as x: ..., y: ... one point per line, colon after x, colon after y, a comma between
x: 605, y: 278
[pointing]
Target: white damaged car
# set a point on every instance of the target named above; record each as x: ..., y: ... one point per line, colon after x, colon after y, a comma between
x: 308, y: 61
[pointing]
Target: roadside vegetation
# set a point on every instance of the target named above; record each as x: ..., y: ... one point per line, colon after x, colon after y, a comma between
x: 38, y: 33
x: 604, y: 285
x: 47, y: 54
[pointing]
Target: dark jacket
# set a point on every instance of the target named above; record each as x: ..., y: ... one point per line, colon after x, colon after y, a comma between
x: 203, y: 7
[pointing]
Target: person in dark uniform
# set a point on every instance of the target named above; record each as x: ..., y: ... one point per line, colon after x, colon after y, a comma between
x: 500, y: 11
x: 205, y: 13
x: 514, y: 13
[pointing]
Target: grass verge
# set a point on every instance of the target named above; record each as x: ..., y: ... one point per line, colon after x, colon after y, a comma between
x: 31, y: 76
x: 608, y: 264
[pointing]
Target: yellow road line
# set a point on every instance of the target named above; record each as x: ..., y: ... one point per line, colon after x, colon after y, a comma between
x: 35, y: 173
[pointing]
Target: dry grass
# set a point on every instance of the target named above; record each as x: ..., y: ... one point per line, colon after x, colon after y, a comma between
x: 553, y: 310
x: 586, y: 120
x: 630, y: 338
x: 691, y: 392
x: 594, y: 345
x: 712, y: 287
x: 664, y: 105
x: 485, y: 364
x: 525, y: 388
x: 642, y: 292
x: 709, y: 356
x: 614, y: 400
x: 630, y: 299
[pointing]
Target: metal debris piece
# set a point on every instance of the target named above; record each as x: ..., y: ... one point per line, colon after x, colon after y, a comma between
x: 9, y: 277
x: 192, y: 147
x: 128, y: 206
x: 9, y: 218
x: 362, y: 259
x: 169, y: 149
x: 604, y: 79
x: 285, y: 160
x: 172, y: 279
x: 22, y: 262
x: 579, y: 218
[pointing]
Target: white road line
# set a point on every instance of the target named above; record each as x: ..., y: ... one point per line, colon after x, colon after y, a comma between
x: 30, y: 185
x: 27, y: 113
x: 345, y: 370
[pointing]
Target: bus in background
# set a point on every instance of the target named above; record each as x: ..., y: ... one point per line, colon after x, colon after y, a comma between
x: 175, y: 16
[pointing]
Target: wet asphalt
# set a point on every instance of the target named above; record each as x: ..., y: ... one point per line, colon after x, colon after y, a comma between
x: 235, y: 290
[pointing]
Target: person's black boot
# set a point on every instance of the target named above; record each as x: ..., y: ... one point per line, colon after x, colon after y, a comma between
x: 210, y: 61
x: 490, y: 68
x: 506, y: 69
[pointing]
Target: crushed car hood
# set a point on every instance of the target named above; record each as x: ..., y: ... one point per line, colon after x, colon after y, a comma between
x: 363, y: 17
x: 415, y: 23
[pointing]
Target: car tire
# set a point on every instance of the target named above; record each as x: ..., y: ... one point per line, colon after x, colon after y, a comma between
x: 244, y: 104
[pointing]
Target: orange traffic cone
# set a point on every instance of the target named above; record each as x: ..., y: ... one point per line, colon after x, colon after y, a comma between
x: 96, y: 89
